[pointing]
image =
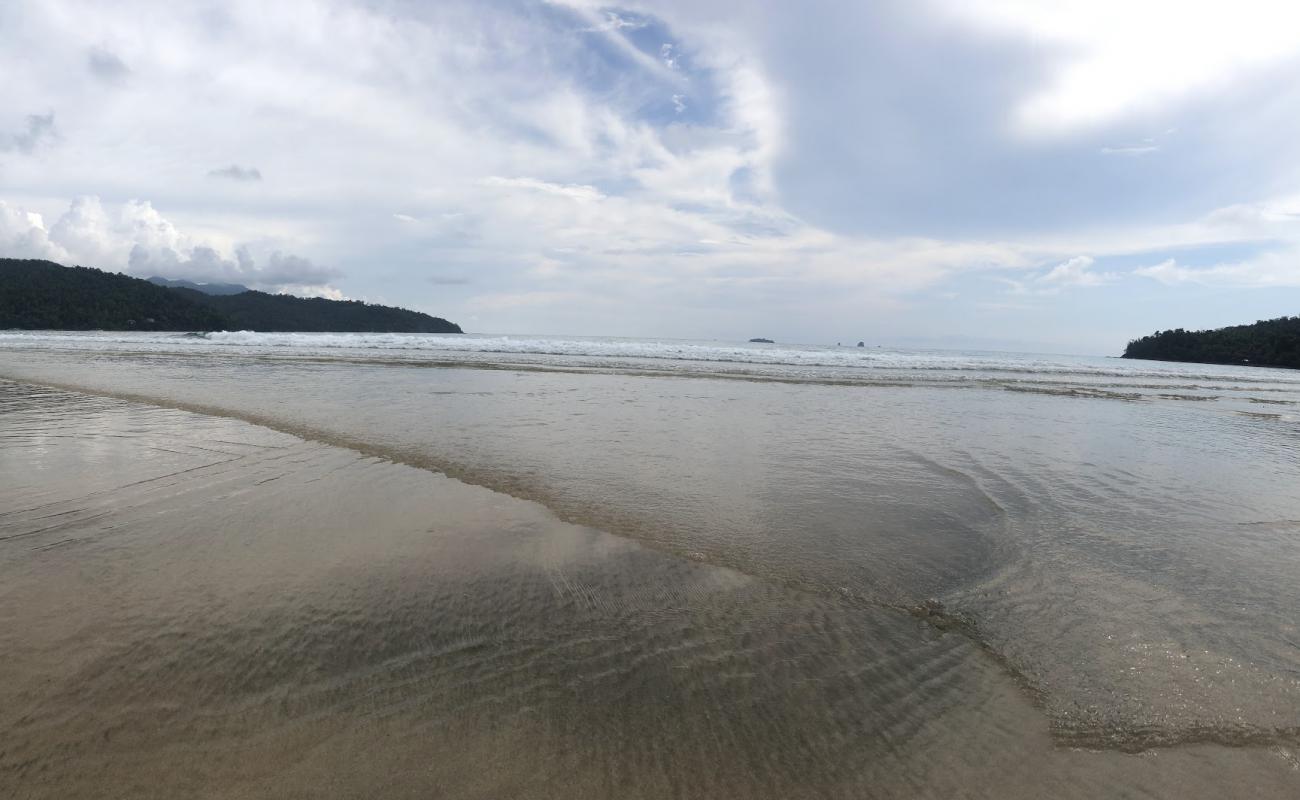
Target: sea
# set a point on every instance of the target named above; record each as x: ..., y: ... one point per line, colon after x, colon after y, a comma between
x: 596, y: 566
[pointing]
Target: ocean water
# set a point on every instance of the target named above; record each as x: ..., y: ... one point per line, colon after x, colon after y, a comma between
x: 1054, y: 558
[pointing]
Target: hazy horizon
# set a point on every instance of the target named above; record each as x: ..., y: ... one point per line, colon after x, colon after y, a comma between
x: 990, y: 175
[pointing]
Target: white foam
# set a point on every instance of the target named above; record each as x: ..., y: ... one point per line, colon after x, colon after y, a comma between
x: 558, y: 349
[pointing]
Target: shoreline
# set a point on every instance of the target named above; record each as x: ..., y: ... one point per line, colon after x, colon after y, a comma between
x: 300, y: 536
x: 959, y: 607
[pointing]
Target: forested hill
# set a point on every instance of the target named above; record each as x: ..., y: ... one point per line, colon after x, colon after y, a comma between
x: 259, y: 311
x: 45, y: 295
x: 1267, y: 343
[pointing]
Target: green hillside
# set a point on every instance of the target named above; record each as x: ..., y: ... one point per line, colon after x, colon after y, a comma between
x: 1267, y: 343
x: 44, y: 295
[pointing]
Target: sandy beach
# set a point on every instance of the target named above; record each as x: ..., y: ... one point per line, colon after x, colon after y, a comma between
x: 196, y: 606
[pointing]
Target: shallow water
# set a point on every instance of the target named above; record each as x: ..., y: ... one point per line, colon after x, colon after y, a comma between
x: 1112, y: 572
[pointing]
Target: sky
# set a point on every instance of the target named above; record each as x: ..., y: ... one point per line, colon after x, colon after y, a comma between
x: 1019, y: 174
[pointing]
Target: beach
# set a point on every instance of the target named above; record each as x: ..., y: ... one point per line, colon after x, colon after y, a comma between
x: 290, y: 571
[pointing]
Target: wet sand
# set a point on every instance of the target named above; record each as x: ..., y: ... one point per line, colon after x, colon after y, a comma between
x: 197, y: 606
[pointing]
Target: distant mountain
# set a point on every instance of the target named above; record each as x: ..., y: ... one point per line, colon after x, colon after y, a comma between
x: 44, y: 295
x: 206, y: 288
x: 1267, y: 343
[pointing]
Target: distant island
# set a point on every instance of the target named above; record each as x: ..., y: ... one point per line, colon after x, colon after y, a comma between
x: 43, y: 295
x: 761, y: 340
x: 1267, y: 343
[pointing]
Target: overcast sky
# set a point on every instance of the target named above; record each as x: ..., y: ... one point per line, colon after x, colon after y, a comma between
x: 1060, y: 176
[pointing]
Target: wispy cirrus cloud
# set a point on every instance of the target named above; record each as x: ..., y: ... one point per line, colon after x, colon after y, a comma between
x: 1273, y: 269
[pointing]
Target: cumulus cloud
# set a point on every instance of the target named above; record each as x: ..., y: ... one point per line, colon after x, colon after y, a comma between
x: 23, y: 235
x: 201, y: 263
x: 237, y: 173
x: 135, y: 237
x: 309, y: 290
x: 39, y: 129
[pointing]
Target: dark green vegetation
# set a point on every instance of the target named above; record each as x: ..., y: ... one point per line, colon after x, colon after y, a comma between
x: 1267, y: 343
x: 259, y: 311
x: 45, y: 295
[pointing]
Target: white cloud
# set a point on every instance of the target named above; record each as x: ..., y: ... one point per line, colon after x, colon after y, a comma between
x: 616, y: 22
x: 666, y: 55
x: 279, y: 272
x: 1130, y: 150
x: 1076, y: 271
x: 1273, y: 269
x: 520, y: 151
x: 23, y: 235
x: 135, y: 238
x: 309, y: 290
x: 571, y: 191
x: 1117, y: 57
x: 1073, y: 273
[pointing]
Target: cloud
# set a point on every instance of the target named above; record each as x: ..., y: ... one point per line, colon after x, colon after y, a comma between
x: 237, y: 173
x: 1130, y: 150
x: 106, y: 66
x: 570, y: 191
x: 135, y: 237
x: 1142, y: 147
x: 202, y: 263
x: 39, y: 129
x: 1273, y: 269
x: 1073, y: 273
x: 23, y: 235
x: 290, y: 269
x: 308, y: 290
x: 666, y: 55
x: 1163, y: 51
x: 617, y: 22
x: 682, y: 166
